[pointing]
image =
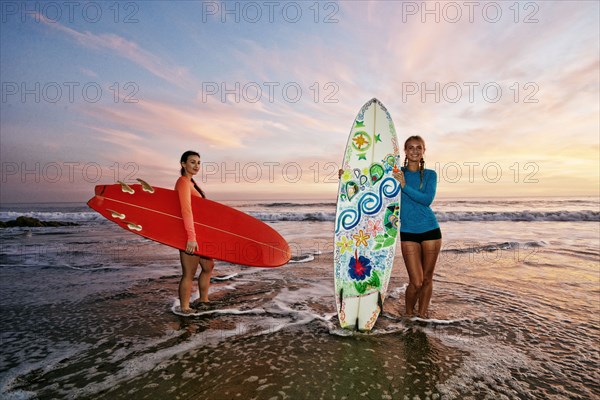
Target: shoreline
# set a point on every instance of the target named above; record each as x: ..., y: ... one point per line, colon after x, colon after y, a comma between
x: 510, y: 301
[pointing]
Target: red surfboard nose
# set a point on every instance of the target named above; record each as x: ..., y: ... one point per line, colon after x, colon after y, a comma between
x: 99, y: 190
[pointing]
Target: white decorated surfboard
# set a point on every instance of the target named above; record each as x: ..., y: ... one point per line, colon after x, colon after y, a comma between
x: 367, y: 218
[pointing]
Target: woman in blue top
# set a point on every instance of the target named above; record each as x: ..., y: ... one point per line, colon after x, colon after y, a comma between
x: 420, y: 235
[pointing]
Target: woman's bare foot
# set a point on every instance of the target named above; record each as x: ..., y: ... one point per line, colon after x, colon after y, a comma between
x: 408, y: 316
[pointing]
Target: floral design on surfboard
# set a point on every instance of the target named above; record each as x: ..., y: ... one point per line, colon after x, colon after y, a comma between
x: 367, y: 219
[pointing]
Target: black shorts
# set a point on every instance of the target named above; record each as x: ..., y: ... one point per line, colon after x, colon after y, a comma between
x: 433, y: 234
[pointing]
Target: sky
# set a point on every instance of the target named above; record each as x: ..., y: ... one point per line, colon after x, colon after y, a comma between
x: 505, y: 94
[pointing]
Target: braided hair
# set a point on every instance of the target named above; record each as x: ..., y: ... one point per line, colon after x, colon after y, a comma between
x: 421, y: 162
x: 184, y: 158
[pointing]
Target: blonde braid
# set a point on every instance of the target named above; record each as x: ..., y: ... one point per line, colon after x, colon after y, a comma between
x: 422, y: 169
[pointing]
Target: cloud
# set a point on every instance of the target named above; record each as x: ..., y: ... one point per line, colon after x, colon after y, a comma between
x: 88, y: 72
x: 127, y: 49
x: 370, y: 52
x: 160, y: 121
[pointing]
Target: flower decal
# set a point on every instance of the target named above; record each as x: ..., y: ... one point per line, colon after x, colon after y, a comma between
x: 344, y: 244
x: 360, y: 267
x: 361, y: 141
x: 374, y: 227
x: 361, y: 238
x: 346, y: 175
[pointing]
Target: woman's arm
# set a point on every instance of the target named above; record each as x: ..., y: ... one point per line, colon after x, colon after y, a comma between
x: 185, y: 202
x: 423, y: 197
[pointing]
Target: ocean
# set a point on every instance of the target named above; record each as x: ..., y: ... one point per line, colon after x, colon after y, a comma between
x: 89, y: 311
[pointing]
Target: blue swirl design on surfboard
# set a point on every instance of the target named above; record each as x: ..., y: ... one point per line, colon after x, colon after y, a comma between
x: 369, y: 204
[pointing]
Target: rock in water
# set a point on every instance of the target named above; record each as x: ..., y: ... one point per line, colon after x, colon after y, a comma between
x: 31, y: 222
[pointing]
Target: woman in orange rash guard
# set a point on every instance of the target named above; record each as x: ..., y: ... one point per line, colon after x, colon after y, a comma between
x: 186, y: 188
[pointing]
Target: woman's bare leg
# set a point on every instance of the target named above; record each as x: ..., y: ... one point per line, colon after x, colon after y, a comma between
x: 207, y: 265
x: 430, y: 251
x: 189, y: 266
x: 411, y: 253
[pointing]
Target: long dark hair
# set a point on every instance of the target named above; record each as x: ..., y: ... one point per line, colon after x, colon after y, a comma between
x: 184, y: 158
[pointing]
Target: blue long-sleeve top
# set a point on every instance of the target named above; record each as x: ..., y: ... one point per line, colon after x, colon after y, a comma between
x: 416, y: 215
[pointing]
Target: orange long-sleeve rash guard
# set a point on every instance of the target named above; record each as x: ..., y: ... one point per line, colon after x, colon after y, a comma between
x: 185, y: 189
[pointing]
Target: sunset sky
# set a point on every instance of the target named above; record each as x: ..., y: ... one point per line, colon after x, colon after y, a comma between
x: 506, y: 94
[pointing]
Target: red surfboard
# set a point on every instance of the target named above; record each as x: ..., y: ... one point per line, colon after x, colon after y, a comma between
x: 223, y: 233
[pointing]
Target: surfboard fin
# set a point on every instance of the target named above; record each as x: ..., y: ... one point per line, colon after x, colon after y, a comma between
x: 146, y: 186
x: 341, y: 297
x: 126, y: 188
x: 116, y: 214
x: 380, y: 302
x: 134, y: 227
